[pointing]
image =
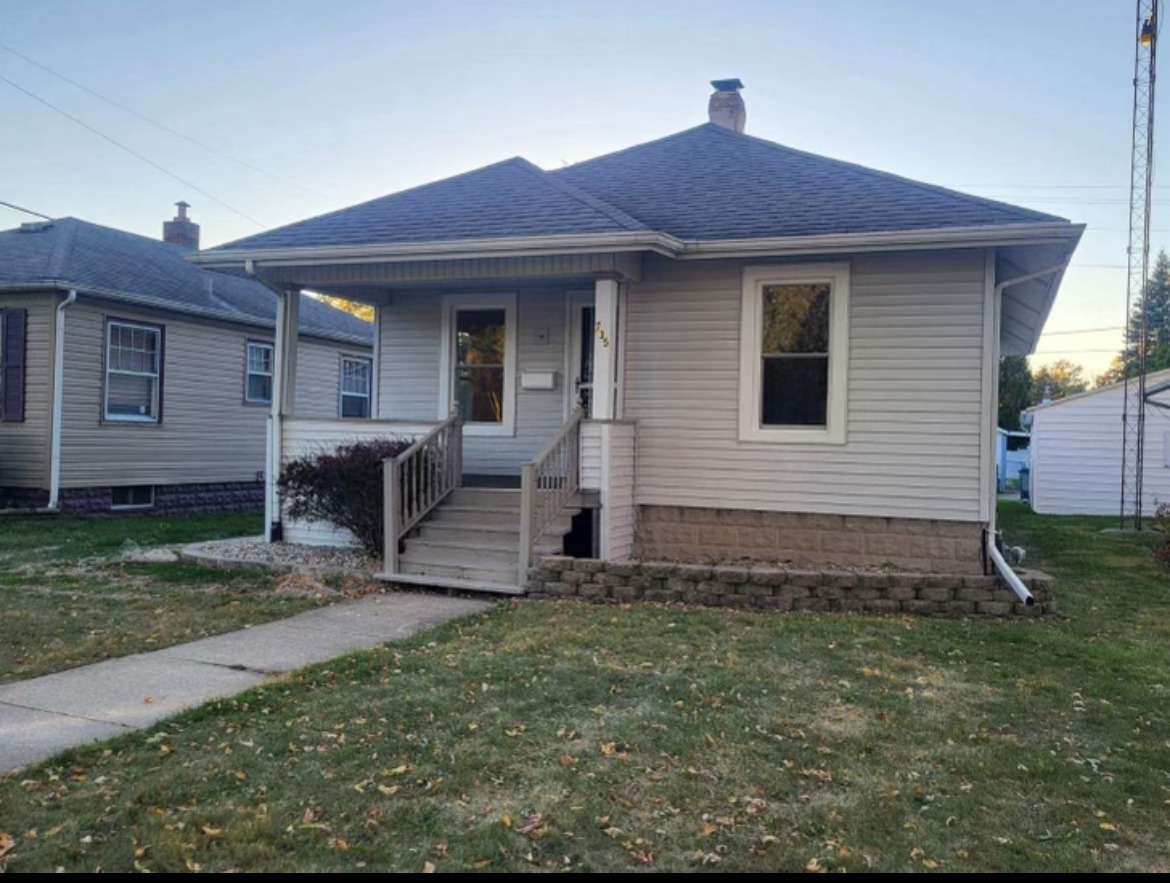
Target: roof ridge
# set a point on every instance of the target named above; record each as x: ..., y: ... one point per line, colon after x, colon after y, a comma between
x: 384, y: 196
x: 63, y: 248
x: 583, y: 196
x: 872, y: 172
x: 631, y: 148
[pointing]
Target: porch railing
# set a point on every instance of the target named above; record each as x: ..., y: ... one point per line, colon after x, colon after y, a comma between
x: 547, y: 484
x: 417, y: 480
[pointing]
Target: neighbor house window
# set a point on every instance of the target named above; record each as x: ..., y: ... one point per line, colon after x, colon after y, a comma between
x: 355, y: 387
x: 132, y: 497
x: 258, y: 384
x: 133, y: 372
x: 794, y: 353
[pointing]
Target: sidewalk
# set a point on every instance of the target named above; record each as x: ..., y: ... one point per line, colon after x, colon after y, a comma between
x: 46, y: 715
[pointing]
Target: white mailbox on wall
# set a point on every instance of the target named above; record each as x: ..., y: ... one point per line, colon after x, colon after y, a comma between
x: 536, y: 380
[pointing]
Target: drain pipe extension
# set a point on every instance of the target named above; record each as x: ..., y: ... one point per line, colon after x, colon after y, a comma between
x: 58, y: 402
x: 994, y: 555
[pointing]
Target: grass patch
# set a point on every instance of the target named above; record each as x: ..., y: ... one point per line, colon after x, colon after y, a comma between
x: 551, y: 737
x: 68, y: 601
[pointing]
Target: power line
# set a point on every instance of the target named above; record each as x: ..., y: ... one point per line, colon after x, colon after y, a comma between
x: 1089, y: 330
x: 208, y: 147
x: 27, y: 211
x: 133, y: 153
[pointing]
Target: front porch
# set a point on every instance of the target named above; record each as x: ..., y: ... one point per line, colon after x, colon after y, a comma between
x: 511, y: 399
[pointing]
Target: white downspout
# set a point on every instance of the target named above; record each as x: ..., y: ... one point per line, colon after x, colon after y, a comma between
x: 996, y: 557
x: 58, y: 402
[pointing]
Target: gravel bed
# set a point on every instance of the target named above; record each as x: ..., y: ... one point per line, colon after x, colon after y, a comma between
x: 254, y: 551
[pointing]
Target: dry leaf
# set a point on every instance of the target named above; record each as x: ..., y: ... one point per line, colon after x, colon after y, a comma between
x: 428, y: 868
x: 7, y: 844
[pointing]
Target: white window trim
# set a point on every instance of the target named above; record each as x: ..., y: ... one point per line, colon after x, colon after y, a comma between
x: 341, y: 392
x: 751, y: 343
x: 249, y: 373
x: 156, y: 376
x: 447, y: 352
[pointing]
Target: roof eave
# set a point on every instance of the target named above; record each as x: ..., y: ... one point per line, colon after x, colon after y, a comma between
x: 661, y: 243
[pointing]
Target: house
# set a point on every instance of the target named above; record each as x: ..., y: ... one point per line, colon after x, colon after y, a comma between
x: 1077, y: 451
x: 778, y: 356
x: 132, y: 379
x: 1012, y: 455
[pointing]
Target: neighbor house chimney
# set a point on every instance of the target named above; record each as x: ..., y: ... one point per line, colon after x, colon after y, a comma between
x: 182, y: 230
x: 726, y: 105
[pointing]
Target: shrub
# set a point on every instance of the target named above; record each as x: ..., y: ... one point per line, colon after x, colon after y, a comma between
x: 343, y: 486
x: 1161, y: 523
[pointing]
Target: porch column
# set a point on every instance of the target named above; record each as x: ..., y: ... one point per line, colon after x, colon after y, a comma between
x: 605, y: 347
x: 284, y: 392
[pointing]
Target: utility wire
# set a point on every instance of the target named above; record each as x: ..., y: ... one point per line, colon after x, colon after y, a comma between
x: 1089, y: 330
x: 133, y: 153
x: 27, y: 211
x: 208, y: 147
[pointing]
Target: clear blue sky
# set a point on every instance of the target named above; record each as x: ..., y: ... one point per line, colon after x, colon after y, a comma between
x: 1023, y: 101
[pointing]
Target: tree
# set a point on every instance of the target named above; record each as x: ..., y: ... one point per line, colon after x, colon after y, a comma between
x: 1055, y: 381
x: 365, y: 312
x: 1155, y: 303
x: 1015, y: 390
x: 1115, y: 373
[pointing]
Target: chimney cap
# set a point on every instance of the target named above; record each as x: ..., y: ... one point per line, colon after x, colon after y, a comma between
x: 727, y: 85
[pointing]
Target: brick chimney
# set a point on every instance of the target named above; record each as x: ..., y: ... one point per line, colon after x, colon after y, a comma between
x: 182, y: 230
x: 726, y: 106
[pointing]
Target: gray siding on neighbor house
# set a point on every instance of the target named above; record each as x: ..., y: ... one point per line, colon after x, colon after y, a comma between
x: 914, y: 422
x: 207, y: 432
x: 411, y: 338
x: 319, y: 376
x: 24, y: 447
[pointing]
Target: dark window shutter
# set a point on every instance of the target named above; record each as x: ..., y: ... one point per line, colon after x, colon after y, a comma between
x: 12, y: 346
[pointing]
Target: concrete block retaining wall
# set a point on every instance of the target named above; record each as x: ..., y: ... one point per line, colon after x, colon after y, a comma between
x: 924, y: 594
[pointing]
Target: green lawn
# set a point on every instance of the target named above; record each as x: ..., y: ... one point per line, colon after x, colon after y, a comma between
x: 562, y: 737
x: 66, y: 599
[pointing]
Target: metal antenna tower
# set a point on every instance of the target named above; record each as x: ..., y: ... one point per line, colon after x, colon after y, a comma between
x: 1140, y: 183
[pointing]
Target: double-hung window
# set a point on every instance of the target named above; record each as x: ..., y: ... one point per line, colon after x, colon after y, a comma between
x: 133, y: 372
x: 355, y: 386
x: 258, y: 382
x: 794, y: 353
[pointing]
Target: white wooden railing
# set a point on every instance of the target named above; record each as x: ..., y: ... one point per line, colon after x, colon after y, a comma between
x: 418, y: 479
x: 547, y: 484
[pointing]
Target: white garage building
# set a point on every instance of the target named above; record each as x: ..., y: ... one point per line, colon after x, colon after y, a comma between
x: 1076, y: 452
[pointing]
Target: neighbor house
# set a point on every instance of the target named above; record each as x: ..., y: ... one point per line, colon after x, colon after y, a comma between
x: 706, y: 347
x: 1077, y: 451
x: 132, y: 379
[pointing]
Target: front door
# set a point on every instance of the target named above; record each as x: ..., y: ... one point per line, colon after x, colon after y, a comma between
x: 583, y: 321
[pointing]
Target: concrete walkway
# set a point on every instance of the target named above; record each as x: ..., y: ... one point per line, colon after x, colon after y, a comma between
x: 46, y: 715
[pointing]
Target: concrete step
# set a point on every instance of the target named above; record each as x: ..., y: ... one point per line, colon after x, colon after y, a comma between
x: 488, y: 574
x: 446, y: 582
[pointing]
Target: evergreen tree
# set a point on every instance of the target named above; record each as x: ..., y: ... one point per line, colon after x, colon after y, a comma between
x: 1156, y: 305
x: 1015, y: 390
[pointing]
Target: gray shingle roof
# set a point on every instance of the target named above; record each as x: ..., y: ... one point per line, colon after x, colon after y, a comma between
x: 709, y: 183
x: 509, y: 198
x: 71, y: 253
x: 706, y: 183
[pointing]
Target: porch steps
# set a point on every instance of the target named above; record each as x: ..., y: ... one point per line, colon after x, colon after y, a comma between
x: 471, y: 541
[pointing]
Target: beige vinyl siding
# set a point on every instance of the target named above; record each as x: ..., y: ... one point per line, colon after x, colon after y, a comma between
x: 914, y: 415
x: 207, y: 433
x: 591, y: 455
x: 319, y: 377
x: 1076, y: 455
x: 24, y: 447
x: 617, y: 490
x: 409, y: 387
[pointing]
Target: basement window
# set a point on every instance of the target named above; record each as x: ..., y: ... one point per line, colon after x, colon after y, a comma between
x: 139, y: 496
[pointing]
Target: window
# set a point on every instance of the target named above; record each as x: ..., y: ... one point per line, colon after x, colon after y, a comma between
x: 132, y: 497
x: 794, y: 353
x: 133, y: 372
x: 355, y: 387
x: 479, y: 354
x: 258, y: 382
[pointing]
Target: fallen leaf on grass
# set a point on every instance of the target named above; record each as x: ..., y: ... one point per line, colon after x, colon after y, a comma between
x: 7, y: 844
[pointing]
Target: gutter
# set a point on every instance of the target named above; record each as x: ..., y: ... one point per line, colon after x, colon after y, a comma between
x: 992, y: 536
x: 58, y: 402
x: 638, y: 240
